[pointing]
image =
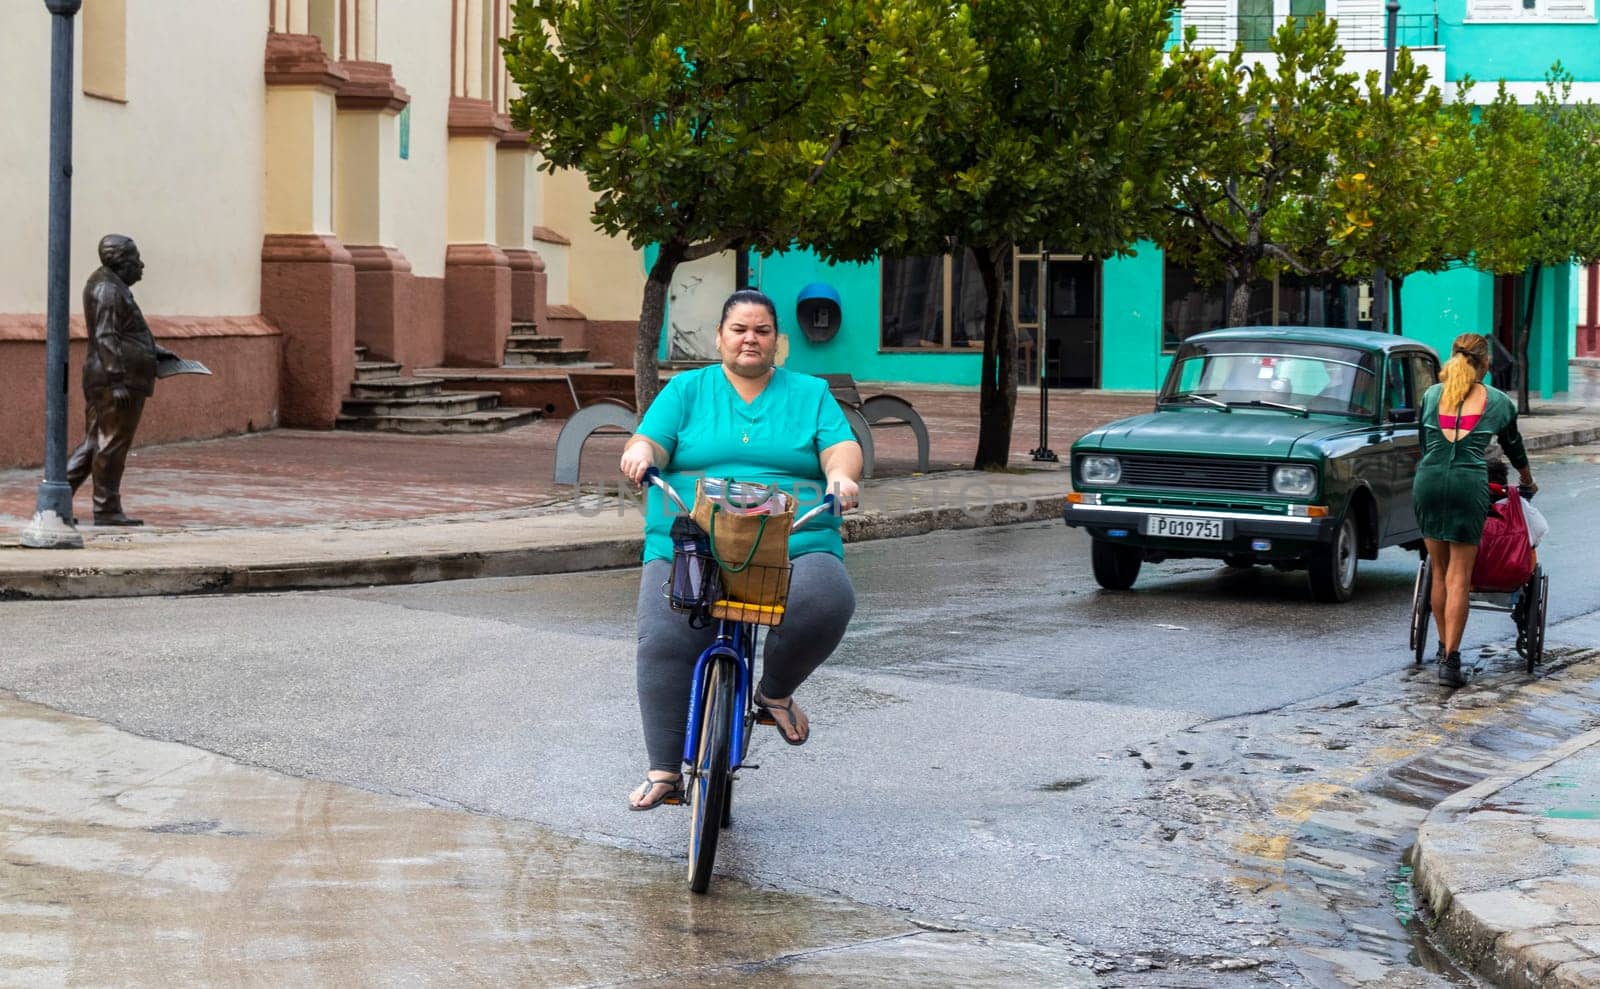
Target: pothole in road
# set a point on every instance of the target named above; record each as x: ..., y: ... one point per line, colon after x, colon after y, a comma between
x: 1062, y: 786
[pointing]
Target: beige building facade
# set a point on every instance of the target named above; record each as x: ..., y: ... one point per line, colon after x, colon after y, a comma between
x: 302, y: 177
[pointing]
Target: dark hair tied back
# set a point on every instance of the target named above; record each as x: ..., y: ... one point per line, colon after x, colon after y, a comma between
x: 749, y: 296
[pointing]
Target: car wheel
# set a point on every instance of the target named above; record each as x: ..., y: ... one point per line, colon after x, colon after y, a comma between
x: 1333, y: 569
x: 1116, y: 566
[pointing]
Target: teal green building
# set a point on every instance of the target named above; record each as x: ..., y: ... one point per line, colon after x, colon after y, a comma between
x: 1114, y: 324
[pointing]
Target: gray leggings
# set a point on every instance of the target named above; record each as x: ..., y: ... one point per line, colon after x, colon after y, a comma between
x: 821, y: 601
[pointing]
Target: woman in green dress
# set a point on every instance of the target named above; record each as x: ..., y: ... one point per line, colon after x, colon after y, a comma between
x: 1460, y: 415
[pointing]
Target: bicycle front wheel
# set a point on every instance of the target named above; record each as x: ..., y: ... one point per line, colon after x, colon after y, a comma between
x: 710, y: 788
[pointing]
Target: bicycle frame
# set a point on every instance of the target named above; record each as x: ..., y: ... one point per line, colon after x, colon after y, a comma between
x: 733, y: 638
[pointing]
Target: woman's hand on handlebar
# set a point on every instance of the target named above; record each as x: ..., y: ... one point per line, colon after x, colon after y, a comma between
x: 847, y: 491
x: 637, y: 458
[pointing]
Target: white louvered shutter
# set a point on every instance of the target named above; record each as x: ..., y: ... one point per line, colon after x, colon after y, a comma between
x: 1494, y: 10
x: 1212, y: 21
x: 1569, y: 10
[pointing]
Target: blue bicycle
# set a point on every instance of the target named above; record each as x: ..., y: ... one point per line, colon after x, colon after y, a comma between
x: 722, y: 708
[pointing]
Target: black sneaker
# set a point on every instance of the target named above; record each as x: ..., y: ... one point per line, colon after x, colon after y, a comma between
x: 1450, y: 670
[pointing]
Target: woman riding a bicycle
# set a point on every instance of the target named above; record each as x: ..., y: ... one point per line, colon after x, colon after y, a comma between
x: 749, y: 420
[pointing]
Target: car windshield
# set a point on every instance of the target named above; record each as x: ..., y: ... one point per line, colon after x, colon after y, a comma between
x: 1275, y: 374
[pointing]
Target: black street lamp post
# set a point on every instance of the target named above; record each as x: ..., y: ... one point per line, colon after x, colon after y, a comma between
x: 1042, y: 452
x: 1380, y: 278
x: 52, y: 526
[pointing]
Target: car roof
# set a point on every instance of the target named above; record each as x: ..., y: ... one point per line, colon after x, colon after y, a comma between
x: 1332, y: 336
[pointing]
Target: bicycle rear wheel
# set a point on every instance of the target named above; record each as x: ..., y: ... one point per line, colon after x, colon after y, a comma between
x: 710, y: 788
x: 1421, y: 609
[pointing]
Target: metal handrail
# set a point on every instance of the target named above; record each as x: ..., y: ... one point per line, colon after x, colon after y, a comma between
x: 1361, y: 32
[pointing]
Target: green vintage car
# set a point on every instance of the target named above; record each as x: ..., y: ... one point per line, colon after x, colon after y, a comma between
x: 1288, y: 446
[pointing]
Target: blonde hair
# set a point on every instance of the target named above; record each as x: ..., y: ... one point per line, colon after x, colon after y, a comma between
x: 1469, y: 359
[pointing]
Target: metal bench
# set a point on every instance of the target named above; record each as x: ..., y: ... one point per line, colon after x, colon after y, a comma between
x: 603, y: 415
x: 876, y: 410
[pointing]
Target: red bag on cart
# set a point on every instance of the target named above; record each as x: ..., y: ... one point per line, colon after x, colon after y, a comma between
x: 1505, y: 560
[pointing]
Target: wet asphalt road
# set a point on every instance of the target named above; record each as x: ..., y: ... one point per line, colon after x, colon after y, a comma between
x: 998, y: 744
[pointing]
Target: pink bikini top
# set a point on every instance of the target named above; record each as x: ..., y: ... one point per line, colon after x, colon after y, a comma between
x: 1470, y: 422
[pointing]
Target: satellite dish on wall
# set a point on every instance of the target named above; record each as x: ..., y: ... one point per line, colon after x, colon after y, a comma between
x: 820, y: 312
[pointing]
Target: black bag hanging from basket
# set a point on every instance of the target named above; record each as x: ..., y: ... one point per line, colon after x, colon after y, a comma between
x: 696, y: 581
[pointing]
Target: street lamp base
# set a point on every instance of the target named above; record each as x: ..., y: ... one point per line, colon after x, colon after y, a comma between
x: 50, y: 531
x: 1046, y: 455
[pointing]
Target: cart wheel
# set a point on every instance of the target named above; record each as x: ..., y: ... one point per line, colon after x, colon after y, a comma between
x: 1536, y: 618
x: 1421, y: 609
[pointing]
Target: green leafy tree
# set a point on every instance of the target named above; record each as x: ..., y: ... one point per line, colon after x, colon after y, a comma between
x: 704, y: 125
x: 1534, y: 177
x: 1567, y: 225
x: 1393, y: 200
x: 1265, y: 137
x: 1069, y: 148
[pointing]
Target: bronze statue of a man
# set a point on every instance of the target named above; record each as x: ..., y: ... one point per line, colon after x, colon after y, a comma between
x: 119, y: 373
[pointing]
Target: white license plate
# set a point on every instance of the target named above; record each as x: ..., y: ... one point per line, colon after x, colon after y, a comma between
x: 1182, y: 527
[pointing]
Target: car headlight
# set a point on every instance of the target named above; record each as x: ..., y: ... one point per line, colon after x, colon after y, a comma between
x: 1296, y: 481
x: 1100, y: 470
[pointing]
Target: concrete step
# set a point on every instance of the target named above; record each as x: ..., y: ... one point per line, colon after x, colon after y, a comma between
x: 443, y: 404
x: 361, y: 354
x: 487, y: 421
x: 396, y: 387
x: 372, y: 370
x: 547, y: 357
x: 524, y: 326
x: 531, y: 341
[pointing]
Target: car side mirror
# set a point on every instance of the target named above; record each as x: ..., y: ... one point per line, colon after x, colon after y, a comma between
x: 1403, y: 415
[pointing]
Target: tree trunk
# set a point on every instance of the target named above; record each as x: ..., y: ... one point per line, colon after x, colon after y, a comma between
x: 647, y: 341
x: 1239, y: 305
x: 1395, y: 282
x: 1524, y: 335
x: 997, y: 399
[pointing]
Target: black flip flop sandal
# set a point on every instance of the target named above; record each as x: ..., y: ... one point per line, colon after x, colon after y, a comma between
x: 673, y: 794
x: 764, y: 717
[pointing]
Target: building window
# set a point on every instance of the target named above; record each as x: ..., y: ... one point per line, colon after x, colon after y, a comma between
x: 1531, y: 11
x: 105, y: 50
x: 1260, y: 19
x: 932, y: 303
x: 1190, y: 307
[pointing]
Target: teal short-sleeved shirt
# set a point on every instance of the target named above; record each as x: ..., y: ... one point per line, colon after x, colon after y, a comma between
x: 707, y: 430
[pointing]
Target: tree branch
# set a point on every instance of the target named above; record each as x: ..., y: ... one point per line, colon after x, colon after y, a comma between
x: 706, y: 248
x: 833, y: 149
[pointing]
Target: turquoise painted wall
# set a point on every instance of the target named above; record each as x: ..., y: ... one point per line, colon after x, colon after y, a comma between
x: 1131, y: 305
x: 1515, y: 52
x: 854, y: 349
x: 1547, y: 348
x: 1437, y: 309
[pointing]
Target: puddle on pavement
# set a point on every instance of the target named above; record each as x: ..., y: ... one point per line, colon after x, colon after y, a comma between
x: 169, y: 866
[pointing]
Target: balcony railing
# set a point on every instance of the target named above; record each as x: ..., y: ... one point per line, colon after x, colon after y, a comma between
x: 1356, y: 33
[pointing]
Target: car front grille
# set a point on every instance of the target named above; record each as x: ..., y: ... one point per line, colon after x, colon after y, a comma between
x: 1197, y: 474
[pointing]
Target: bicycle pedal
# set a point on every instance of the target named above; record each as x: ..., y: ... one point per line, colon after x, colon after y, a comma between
x: 764, y: 718
x: 674, y: 801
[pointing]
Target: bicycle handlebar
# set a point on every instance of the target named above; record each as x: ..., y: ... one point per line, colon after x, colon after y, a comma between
x: 829, y: 506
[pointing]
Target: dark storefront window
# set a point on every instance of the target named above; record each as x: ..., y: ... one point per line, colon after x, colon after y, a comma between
x: 913, y: 302
x: 1190, y: 307
x: 967, y: 301
x: 914, y: 311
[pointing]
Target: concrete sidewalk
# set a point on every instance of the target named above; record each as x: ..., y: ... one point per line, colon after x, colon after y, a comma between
x: 1511, y: 870
x: 590, y: 532
x: 307, y: 510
